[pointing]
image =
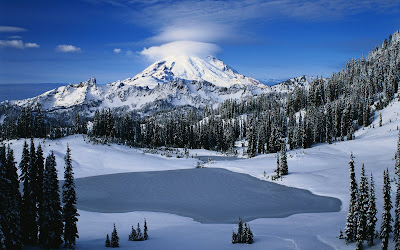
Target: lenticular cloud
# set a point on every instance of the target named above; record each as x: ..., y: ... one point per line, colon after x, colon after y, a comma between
x: 180, y: 48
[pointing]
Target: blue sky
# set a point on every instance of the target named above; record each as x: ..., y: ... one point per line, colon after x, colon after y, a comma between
x: 68, y: 41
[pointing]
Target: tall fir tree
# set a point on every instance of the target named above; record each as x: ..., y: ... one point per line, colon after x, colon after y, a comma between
x: 70, y: 212
x: 283, y: 166
x: 114, y: 238
x: 52, y: 226
x: 145, y: 230
x: 3, y: 196
x: 396, y: 227
x: 28, y: 210
x: 13, y: 233
x: 351, y: 219
x: 386, y: 227
x: 362, y: 207
x: 39, y: 183
x: 371, y: 213
x: 397, y: 158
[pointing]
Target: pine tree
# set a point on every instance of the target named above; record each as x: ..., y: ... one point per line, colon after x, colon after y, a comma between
x: 13, y: 233
x: 69, y: 199
x: 39, y: 184
x: 240, y: 231
x: 108, y: 243
x: 351, y: 219
x: 52, y: 226
x: 283, y: 166
x: 250, y: 237
x: 133, y: 234
x: 386, y: 227
x: 371, y: 213
x: 28, y: 216
x: 145, y: 231
x: 397, y: 158
x: 114, y: 238
x: 362, y: 207
x: 396, y: 227
x: 139, y: 235
x: 3, y: 196
x: 277, y: 170
x: 380, y: 119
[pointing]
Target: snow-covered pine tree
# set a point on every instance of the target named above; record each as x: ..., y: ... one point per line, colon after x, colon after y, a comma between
x: 250, y: 237
x: 139, y: 235
x: 277, y: 170
x: 396, y: 227
x: 386, y: 227
x: 132, y: 235
x: 351, y: 219
x: 39, y: 184
x: 362, y: 207
x: 3, y: 196
x: 70, y: 212
x: 114, y: 238
x: 52, y: 226
x: 28, y: 216
x: 145, y: 231
x: 13, y: 233
x: 283, y: 166
x: 240, y: 231
x: 397, y: 158
x: 380, y: 119
x: 108, y: 242
x: 371, y: 213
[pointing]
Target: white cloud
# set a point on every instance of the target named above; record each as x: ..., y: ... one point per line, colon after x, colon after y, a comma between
x: 67, y: 48
x: 180, y: 48
x: 11, y: 29
x: 31, y: 45
x: 116, y: 50
x: 18, y: 44
x: 14, y: 37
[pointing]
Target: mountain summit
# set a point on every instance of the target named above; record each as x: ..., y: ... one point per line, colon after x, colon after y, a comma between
x: 209, y: 69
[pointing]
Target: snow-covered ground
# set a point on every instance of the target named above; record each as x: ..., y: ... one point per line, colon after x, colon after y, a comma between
x: 322, y: 169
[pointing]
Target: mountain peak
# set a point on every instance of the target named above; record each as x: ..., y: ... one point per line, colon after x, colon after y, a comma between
x: 208, y: 69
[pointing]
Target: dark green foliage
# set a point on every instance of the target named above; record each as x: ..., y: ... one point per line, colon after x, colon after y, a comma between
x: 283, y: 166
x: 114, y: 238
x: 145, y: 231
x: 70, y: 212
x: 52, y: 227
x: 28, y: 208
x: 108, y: 242
x: 244, y: 234
x: 386, y: 227
x: 351, y: 220
x: 371, y: 214
x: 11, y: 222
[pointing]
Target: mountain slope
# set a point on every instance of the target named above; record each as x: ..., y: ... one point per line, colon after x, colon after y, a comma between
x: 209, y: 69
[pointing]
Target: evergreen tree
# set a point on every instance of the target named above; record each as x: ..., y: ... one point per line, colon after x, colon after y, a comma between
x: 371, y: 213
x: 69, y: 199
x: 52, y: 226
x: 397, y: 158
x: 114, y: 238
x: 351, y: 219
x: 28, y: 216
x: 3, y: 196
x: 108, y: 243
x: 396, y: 227
x: 284, y: 170
x: 380, y: 119
x: 240, y: 230
x: 145, y: 231
x: 362, y: 208
x: 39, y: 184
x: 386, y: 227
x: 139, y: 235
x: 133, y: 234
x: 12, y: 232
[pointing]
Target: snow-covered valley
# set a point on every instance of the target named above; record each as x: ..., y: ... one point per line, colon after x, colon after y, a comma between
x: 322, y: 169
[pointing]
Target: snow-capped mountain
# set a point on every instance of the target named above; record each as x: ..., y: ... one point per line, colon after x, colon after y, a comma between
x: 174, y: 81
x: 209, y: 69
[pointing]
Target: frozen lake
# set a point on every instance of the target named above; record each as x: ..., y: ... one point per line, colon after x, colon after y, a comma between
x: 208, y: 195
